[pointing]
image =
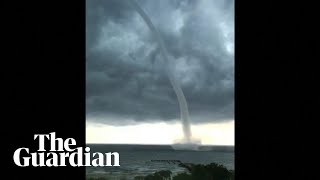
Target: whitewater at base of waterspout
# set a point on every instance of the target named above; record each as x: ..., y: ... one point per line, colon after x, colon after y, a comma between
x: 187, y: 144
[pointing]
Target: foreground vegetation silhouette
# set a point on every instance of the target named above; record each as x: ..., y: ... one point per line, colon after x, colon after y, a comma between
x: 211, y: 171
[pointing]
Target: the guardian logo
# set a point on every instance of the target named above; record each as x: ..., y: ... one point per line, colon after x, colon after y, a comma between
x: 61, y: 154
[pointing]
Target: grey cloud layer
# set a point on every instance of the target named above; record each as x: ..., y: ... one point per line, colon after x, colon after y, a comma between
x: 125, y: 75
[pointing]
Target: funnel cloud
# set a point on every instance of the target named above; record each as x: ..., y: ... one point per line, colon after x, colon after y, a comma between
x: 177, y: 89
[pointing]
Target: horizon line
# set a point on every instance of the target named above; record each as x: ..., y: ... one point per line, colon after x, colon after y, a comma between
x: 153, y: 144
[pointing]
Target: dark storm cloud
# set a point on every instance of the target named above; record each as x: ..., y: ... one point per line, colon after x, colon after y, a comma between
x: 125, y: 75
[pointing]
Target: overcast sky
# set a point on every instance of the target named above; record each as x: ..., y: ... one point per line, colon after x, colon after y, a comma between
x: 126, y: 81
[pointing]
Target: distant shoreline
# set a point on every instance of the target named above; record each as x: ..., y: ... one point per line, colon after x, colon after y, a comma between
x: 156, y: 144
x: 201, y: 148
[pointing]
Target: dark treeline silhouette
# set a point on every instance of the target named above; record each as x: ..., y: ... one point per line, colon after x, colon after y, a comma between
x: 211, y: 171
